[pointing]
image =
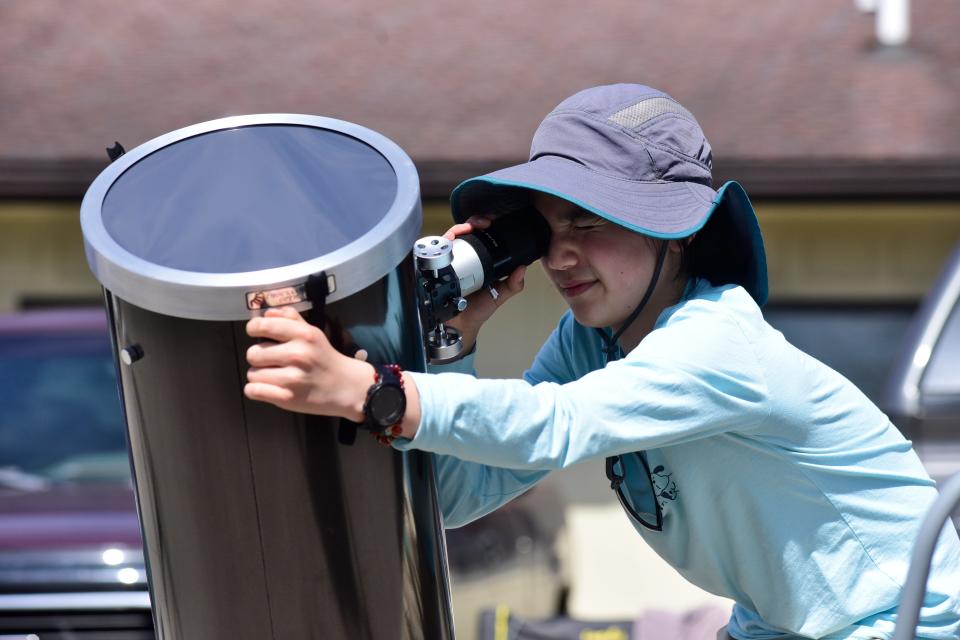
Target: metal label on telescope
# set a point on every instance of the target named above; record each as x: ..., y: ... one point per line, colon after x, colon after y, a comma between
x: 283, y: 296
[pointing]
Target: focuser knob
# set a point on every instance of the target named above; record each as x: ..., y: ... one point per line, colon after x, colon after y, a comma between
x: 433, y: 253
x: 444, y: 344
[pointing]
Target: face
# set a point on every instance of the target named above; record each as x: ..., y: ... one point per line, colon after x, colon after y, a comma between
x: 601, y: 269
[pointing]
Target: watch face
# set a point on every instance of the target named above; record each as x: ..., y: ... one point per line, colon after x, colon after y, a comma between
x: 387, y: 405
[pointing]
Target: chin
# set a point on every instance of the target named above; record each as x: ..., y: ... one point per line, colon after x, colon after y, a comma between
x: 592, y: 320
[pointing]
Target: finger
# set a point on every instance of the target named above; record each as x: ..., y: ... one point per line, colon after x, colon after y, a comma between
x: 472, y: 223
x: 286, y: 377
x: 284, y: 312
x: 277, y: 354
x: 267, y: 393
x: 513, y: 284
x: 281, y: 329
x: 480, y: 222
x: 458, y: 230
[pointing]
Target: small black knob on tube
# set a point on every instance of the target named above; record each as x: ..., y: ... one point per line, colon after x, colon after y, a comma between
x: 130, y: 354
x: 115, y: 151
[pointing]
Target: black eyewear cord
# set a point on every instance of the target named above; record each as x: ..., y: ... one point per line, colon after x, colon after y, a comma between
x: 652, y: 521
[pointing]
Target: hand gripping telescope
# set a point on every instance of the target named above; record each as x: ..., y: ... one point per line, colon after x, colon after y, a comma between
x: 450, y: 270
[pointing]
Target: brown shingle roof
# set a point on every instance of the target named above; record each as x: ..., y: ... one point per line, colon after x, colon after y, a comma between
x: 468, y: 82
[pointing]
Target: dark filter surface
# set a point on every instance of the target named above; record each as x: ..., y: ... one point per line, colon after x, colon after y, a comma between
x: 249, y: 198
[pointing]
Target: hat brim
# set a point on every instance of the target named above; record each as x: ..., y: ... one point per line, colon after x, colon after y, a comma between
x: 659, y: 209
x: 667, y: 210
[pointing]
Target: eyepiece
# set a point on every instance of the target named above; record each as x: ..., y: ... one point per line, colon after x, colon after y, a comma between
x: 510, y: 241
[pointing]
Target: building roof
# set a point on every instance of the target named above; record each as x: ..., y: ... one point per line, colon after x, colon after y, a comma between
x: 786, y: 90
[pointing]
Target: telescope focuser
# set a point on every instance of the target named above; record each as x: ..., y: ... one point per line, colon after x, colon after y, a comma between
x: 450, y: 270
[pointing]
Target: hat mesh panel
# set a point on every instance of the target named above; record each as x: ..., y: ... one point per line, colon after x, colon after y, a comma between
x: 636, y: 114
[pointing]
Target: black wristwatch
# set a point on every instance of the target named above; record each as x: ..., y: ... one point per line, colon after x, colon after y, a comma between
x: 386, y: 401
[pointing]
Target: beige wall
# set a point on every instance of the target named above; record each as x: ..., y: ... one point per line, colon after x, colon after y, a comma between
x: 857, y: 251
x: 836, y: 251
x: 41, y: 253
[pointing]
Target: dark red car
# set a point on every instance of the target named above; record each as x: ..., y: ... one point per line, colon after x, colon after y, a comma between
x: 71, y: 561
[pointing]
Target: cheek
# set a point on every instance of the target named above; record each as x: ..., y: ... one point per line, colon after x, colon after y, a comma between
x: 626, y: 263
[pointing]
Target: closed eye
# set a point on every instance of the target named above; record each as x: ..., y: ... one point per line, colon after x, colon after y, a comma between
x: 589, y: 224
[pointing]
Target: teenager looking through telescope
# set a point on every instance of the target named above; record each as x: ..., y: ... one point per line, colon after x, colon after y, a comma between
x: 756, y: 471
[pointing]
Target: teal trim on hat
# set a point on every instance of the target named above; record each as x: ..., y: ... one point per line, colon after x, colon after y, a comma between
x: 731, y: 201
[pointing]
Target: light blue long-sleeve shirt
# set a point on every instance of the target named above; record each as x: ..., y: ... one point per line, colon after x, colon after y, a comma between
x: 782, y: 486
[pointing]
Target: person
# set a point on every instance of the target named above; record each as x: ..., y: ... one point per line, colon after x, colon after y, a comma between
x: 756, y: 471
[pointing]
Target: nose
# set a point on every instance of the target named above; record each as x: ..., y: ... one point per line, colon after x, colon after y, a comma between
x: 562, y: 253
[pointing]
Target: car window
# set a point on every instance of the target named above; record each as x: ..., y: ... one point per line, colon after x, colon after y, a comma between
x: 942, y: 376
x: 860, y: 342
x: 61, y: 419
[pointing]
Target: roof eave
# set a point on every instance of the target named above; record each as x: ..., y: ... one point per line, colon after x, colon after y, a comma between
x: 763, y: 178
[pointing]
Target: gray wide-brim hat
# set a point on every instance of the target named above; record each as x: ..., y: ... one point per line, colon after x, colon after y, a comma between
x: 635, y: 156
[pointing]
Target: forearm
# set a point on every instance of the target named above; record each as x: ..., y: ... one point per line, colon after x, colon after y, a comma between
x: 502, y: 423
x: 467, y: 490
x: 624, y: 407
x: 411, y: 417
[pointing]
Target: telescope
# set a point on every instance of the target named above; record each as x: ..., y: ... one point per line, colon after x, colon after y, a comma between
x: 257, y: 522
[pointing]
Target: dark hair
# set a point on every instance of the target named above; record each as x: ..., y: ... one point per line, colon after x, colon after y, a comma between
x: 687, y: 254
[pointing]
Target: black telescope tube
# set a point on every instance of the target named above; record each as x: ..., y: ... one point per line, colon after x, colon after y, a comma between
x: 256, y: 523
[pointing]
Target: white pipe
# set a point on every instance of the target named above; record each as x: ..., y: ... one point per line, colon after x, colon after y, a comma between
x: 915, y: 586
x: 893, y: 22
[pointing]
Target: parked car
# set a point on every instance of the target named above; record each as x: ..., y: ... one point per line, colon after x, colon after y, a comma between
x: 71, y: 562
x: 71, y: 557
x: 923, y: 390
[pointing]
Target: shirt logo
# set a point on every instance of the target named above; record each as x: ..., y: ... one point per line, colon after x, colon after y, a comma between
x: 664, y: 488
